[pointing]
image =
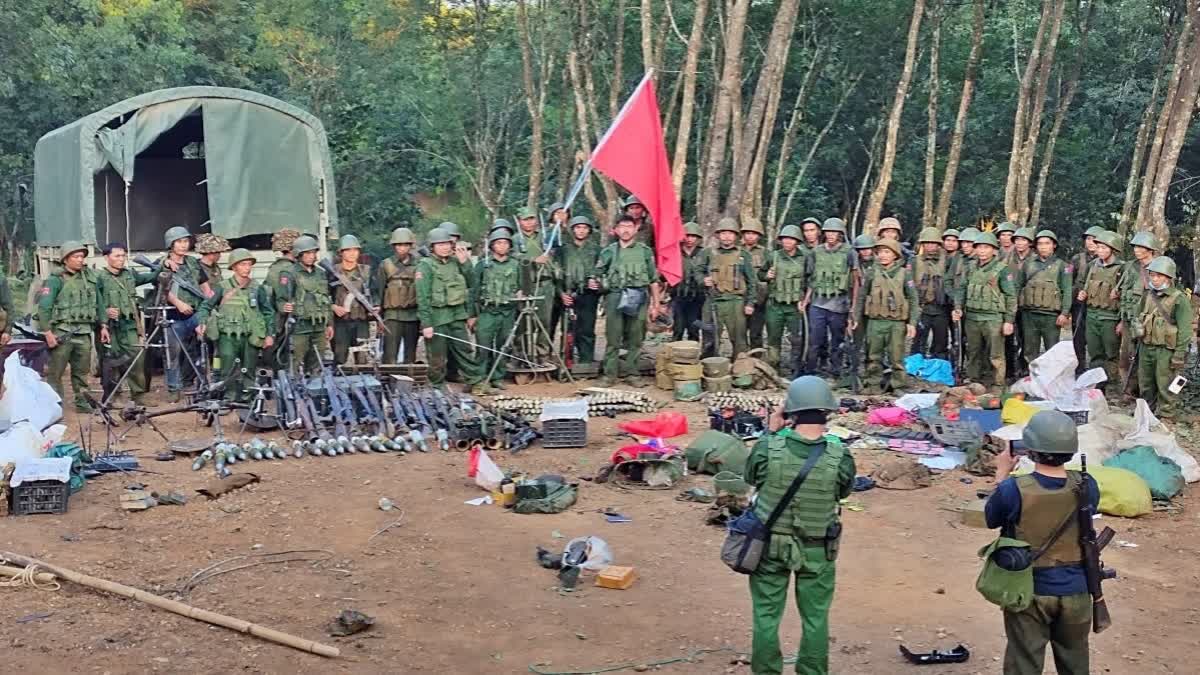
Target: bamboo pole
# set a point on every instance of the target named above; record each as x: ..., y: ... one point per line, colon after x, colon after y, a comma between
x: 40, y: 577
x: 179, y: 608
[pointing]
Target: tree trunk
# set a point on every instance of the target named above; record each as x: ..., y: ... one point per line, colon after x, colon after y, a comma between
x: 791, y: 131
x: 533, y: 102
x: 618, y: 51
x: 927, y: 217
x: 875, y: 204
x: 718, y: 135
x: 688, y: 106
x: 648, y: 37
x: 1024, y: 90
x: 862, y: 188
x: 1139, y: 146
x: 950, y: 174
x: 1034, y: 124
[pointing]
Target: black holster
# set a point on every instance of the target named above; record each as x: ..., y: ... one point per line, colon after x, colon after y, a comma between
x: 833, y: 541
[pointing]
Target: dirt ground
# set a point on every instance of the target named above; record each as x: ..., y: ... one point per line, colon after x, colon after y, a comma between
x: 455, y: 588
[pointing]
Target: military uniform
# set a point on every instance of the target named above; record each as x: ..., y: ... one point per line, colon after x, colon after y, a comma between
x: 1104, y: 310
x: 784, y: 294
x: 1135, y: 284
x: 889, y: 302
x: 1164, y: 330
x: 1015, y: 356
x: 756, y: 322
x: 830, y: 280
x: 69, y: 305
x: 538, y: 279
x: 987, y: 300
x: 397, y: 279
x: 687, y: 305
x: 496, y: 282
x: 932, y: 275
x: 278, y: 281
x: 620, y: 269
x: 578, y: 263
x: 734, y: 288
x: 444, y: 303
x: 1080, y: 262
x: 236, y: 318
x: 118, y: 290
x: 350, y: 330
x: 312, y: 308
x: 1044, y: 294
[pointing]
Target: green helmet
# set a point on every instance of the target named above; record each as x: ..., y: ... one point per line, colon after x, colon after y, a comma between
x: 240, y: 254
x: 1163, y: 265
x: 950, y: 232
x: 752, y: 225
x: 693, y: 229
x: 810, y: 219
x: 580, y: 220
x: 500, y: 234
x: 1093, y: 231
x: 450, y: 229
x: 727, y: 224
x: 556, y: 206
x: 930, y: 235
x: 526, y: 212
x: 1025, y: 233
x: 402, y: 235
x: 864, y: 241
x: 969, y: 235
x: 1145, y: 240
x: 630, y: 201
x: 304, y: 244
x: 1047, y: 234
x: 348, y: 241
x: 438, y: 236
x: 70, y: 247
x: 175, y: 234
x: 889, y: 223
x: 987, y: 238
x: 1110, y: 239
x: 834, y: 225
x: 1005, y: 227
x: 1051, y: 432
x: 809, y: 393
x: 891, y: 245
x: 501, y: 224
x: 791, y: 231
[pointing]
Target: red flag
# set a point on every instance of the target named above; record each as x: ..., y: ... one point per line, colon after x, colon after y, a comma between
x: 634, y: 154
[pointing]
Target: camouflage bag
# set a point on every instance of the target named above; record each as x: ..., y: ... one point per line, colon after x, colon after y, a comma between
x: 559, y: 500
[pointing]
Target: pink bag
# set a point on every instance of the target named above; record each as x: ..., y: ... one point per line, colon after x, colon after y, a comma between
x: 889, y: 417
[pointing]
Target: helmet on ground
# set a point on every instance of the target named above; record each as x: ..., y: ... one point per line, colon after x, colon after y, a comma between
x: 930, y: 235
x: 1005, y: 227
x: 283, y: 239
x: 211, y: 243
x: 1163, y: 265
x: 1145, y: 240
x: 864, y: 241
x: 1110, y: 239
x: 791, y: 231
x: 969, y: 235
x: 891, y: 245
x: 752, y: 225
x: 630, y: 201
x: 987, y: 238
x: 727, y: 224
x: 501, y: 224
x: 889, y: 223
x: 402, y: 235
x: 580, y: 220
x: 1093, y: 231
x: 304, y: 244
x: 1047, y: 234
x: 950, y: 232
x: 174, y: 234
x: 451, y: 229
x: 438, y: 236
x: 1025, y: 233
x: 500, y: 234
x: 812, y: 220
x: 1051, y: 432
x: 240, y: 254
x: 348, y: 241
x: 526, y: 212
x: 834, y: 225
x: 693, y: 229
x: 70, y: 247
x: 809, y: 393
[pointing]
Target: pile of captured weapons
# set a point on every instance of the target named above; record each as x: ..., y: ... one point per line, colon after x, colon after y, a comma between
x: 601, y: 402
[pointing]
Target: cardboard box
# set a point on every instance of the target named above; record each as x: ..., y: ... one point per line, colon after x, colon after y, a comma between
x: 617, y: 577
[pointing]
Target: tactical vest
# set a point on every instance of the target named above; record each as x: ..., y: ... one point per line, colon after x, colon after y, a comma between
x: 237, y: 314
x: 119, y: 292
x: 360, y: 277
x: 814, y: 509
x: 1015, y: 261
x: 1158, y: 318
x: 758, y: 258
x: 190, y: 271
x: 499, y: 282
x: 1041, y: 289
x: 726, y: 266
x: 886, y: 299
x: 75, y: 303
x: 692, y: 284
x: 274, y: 273
x: 788, y: 284
x: 983, y: 288
x: 1100, y: 283
x: 449, y: 287
x: 831, y: 272
x: 400, y: 288
x: 530, y: 246
x: 930, y: 276
x: 628, y: 268
x: 1041, y: 512
x: 214, y: 274
x: 580, y: 264
x: 312, y: 301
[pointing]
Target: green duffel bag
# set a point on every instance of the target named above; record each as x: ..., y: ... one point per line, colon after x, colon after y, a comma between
x: 1011, y: 590
x: 559, y: 500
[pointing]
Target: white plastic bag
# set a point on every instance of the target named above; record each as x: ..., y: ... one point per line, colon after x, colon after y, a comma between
x: 1148, y: 430
x: 27, y: 396
x: 599, y: 555
x: 487, y: 475
x: 21, y: 442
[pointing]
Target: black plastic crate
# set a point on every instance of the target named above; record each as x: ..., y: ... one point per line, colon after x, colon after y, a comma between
x: 41, y: 496
x: 564, y: 433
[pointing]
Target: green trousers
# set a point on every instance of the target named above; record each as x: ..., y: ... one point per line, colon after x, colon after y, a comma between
x: 401, y: 332
x: 755, y: 324
x: 985, y: 346
x: 731, y: 319
x: 780, y: 316
x: 440, y: 351
x: 814, y: 595
x: 491, y: 332
x: 236, y: 351
x: 1041, y: 332
x: 1104, y: 346
x: 303, y: 355
x: 1063, y: 621
x: 74, y: 351
x: 125, y: 342
x: 1154, y: 375
x: 1125, y: 355
x: 586, y: 305
x: 349, y: 333
x: 885, y: 337
x: 622, y: 332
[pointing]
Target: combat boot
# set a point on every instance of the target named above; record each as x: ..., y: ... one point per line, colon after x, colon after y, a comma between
x: 499, y: 384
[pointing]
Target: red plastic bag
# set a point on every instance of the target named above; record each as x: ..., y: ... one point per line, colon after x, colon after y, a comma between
x: 665, y: 425
x: 631, y: 452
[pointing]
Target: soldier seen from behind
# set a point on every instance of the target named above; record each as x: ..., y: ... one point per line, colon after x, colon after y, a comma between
x: 1163, y: 330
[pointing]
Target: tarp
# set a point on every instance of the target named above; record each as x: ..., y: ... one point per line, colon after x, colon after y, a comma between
x: 266, y: 162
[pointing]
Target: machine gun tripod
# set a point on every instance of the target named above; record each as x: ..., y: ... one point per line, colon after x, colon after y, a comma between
x: 532, y: 332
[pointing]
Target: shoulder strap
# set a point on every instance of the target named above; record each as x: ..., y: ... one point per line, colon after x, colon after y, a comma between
x: 791, y: 491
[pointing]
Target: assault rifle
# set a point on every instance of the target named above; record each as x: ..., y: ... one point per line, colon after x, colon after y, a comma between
x: 855, y: 380
x: 1090, y: 546
x: 354, y: 292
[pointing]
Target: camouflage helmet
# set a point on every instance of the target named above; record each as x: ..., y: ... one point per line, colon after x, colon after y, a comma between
x: 498, y: 235
x: 834, y: 225
x: 693, y: 230
x: 450, y: 228
x: 727, y: 224
x: 304, y: 244
x: 950, y: 232
x: 1026, y: 233
x: 526, y: 212
x: 1005, y: 227
x: 1051, y: 432
x: 891, y: 245
x: 1145, y: 239
x: 348, y: 241
x: 238, y: 255
x: 438, y: 236
x: 501, y: 224
x: 174, y: 234
x: 402, y: 235
x: 863, y: 241
x: 930, y: 235
x: 791, y: 231
x: 1049, y: 234
x: 283, y: 239
x: 630, y: 201
x: 987, y: 238
x: 211, y: 243
x: 809, y: 393
x: 1093, y: 231
x: 1163, y: 265
x: 753, y: 225
x: 580, y: 220
x: 889, y: 223
x: 968, y: 235
x: 70, y: 247
x: 1110, y: 239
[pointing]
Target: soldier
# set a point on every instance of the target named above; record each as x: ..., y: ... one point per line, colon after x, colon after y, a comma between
x: 811, y: 229
x: 865, y: 245
x: 6, y: 311
x: 832, y: 286
x: 1100, y: 286
x: 117, y: 286
x: 1044, y: 296
x: 634, y: 208
x: 539, y: 273
x: 889, y: 301
x: 1040, y: 509
x: 752, y: 234
x: 278, y: 282
x: 210, y: 247
x: 806, y: 536
x: 1015, y: 359
x: 560, y: 215
x: 1080, y: 264
x: 497, y: 280
x: 308, y: 299
x: 183, y: 298
x: 931, y: 273
x: 783, y: 274
x: 236, y: 317
x: 445, y: 305
x: 68, y: 311
x: 1134, y: 284
x: 988, y: 301
x: 953, y: 248
x: 1004, y: 235
x: 397, y: 278
x: 950, y: 241
x: 688, y: 303
x: 625, y: 271
x: 1163, y: 329
x: 730, y: 278
x: 1022, y: 249
x: 960, y: 264
x: 352, y: 320
x: 577, y: 259
x: 889, y: 228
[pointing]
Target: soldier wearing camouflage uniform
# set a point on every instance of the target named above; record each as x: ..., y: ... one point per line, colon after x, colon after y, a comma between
x: 935, y: 290
x: 783, y: 275
x: 497, y: 280
x: 351, y: 320
x: 832, y: 281
x: 445, y: 305
x: 988, y: 302
x: 278, y: 282
x: 627, y: 273
x: 888, y: 301
x: 1134, y: 285
x: 577, y: 258
x: 117, y: 286
x: 210, y: 247
x: 731, y: 280
x: 68, y: 311
x: 752, y: 233
x: 1043, y: 296
x: 309, y: 301
x: 237, y: 317
x: 182, y: 343
x: 1004, y: 235
x: 688, y: 303
x: 1163, y: 329
x: 1080, y: 264
x: 397, y: 279
x: 540, y: 275
x: 1100, y: 286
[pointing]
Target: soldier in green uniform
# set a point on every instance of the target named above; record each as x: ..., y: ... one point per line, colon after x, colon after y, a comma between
x: 1134, y: 284
x: 497, y: 280
x: 832, y: 279
x: 931, y: 273
x: 783, y: 275
x: 189, y: 289
x: 811, y: 229
x: 352, y: 320
x: 634, y: 208
x: 953, y: 249
x: 577, y: 258
x: 117, y: 286
x: 889, y: 302
x: 445, y: 305
x: 988, y: 301
x: 278, y: 281
x: 805, y: 538
x: 210, y: 247
x: 1080, y: 263
x: 236, y: 317
x: 865, y: 245
x: 397, y: 279
x: 1044, y: 296
x: 1004, y: 235
x: 950, y: 241
x: 1100, y: 286
x: 1015, y: 359
x: 309, y: 301
x: 68, y: 310
x: 540, y: 276
x: 626, y: 271
x: 732, y: 288
x: 752, y: 234
x: 961, y: 263
x: 1163, y: 329
x: 688, y: 303
x: 6, y: 311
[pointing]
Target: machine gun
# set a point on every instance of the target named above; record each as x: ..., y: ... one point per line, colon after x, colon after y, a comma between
x: 1090, y: 546
x: 168, y: 279
x: 354, y: 292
